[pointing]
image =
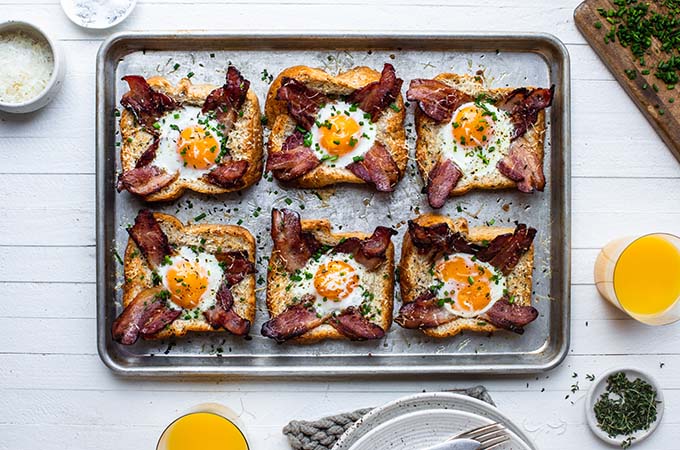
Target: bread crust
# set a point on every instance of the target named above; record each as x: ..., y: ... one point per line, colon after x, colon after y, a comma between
x: 390, y: 125
x: 138, y: 273
x: 413, y: 269
x: 245, y: 139
x: 428, y: 150
x: 382, y: 281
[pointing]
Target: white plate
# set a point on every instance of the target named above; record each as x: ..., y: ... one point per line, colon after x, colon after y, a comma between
x: 597, y: 389
x: 435, y: 401
x: 422, y: 429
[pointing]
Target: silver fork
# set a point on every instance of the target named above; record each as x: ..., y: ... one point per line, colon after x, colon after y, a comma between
x: 490, y: 436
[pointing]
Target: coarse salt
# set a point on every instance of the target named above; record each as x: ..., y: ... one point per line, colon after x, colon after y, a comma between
x: 96, y: 13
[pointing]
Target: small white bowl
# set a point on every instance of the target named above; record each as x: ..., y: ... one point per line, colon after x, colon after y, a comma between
x: 71, y: 10
x: 53, y: 85
x: 598, y: 388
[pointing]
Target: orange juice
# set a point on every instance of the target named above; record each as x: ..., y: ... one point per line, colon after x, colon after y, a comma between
x: 202, y: 430
x: 641, y: 276
x: 647, y: 275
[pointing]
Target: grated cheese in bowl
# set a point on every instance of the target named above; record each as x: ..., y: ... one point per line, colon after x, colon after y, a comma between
x: 26, y: 66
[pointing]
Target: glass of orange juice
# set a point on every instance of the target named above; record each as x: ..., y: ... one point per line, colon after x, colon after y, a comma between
x: 641, y: 276
x: 206, y: 426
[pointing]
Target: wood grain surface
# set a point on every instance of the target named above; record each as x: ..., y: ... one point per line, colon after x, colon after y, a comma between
x: 655, y: 103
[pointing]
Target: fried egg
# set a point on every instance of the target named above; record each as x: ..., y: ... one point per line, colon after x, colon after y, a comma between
x: 342, y: 134
x: 335, y: 282
x: 466, y: 286
x: 192, y: 278
x: 476, y: 138
x: 190, y: 142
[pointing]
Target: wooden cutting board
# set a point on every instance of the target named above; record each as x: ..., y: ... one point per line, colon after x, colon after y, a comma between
x: 656, y: 106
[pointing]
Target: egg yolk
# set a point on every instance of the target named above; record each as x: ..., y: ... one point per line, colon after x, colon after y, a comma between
x: 186, y: 282
x: 472, y: 126
x: 198, y: 148
x: 335, y: 280
x: 471, y: 283
x: 338, y: 135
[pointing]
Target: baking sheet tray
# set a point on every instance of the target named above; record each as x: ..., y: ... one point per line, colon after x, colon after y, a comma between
x: 506, y: 60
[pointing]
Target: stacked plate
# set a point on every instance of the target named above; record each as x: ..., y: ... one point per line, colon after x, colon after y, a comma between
x: 419, y: 421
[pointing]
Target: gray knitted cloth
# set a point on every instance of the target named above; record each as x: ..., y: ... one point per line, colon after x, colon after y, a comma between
x: 323, y: 433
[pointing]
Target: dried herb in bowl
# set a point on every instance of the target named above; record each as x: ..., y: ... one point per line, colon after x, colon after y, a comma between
x: 626, y: 407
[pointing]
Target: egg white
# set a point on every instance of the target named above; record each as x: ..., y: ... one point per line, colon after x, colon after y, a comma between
x: 212, y: 268
x: 476, y: 162
x: 171, y: 125
x: 325, y: 307
x: 447, y: 289
x: 365, y: 136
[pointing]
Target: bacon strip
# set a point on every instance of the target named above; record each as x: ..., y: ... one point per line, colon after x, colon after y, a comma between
x: 224, y: 316
x: 504, y: 251
x: 524, y: 105
x: 511, y: 317
x: 439, y: 238
x: 436, y: 99
x: 378, y: 168
x: 236, y: 265
x: 149, y: 154
x: 295, y: 321
x: 150, y: 238
x: 354, y: 326
x: 145, y: 180
x: 228, y: 173
x: 293, y: 246
x: 146, y: 315
x: 303, y: 102
x: 294, y: 159
x: 371, y: 251
x: 441, y: 180
x: 227, y: 99
x: 146, y: 104
x: 423, y: 312
x: 523, y: 165
x: 378, y: 95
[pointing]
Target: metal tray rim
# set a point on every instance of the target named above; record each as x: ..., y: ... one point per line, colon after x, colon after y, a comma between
x: 340, y: 370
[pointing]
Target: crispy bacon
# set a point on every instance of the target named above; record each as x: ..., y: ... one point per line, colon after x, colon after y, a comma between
x: 146, y: 104
x: 511, y: 317
x: 149, y: 154
x: 294, y: 159
x: 223, y: 314
x: 504, y: 251
x: 441, y: 180
x: 523, y: 165
x: 146, y: 315
x: 228, y: 173
x: 227, y: 99
x: 436, y: 99
x: 293, y: 246
x: 378, y: 95
x: 295, y: 321
x: 236, y: 265
x: 145, y: 180
x: 371, y: 251
x: 439, y: 238
x: 423, y: 312
x: 150, y: 238
x: 354, y: 326
x: 524, y: 105
x: 303, y: 102
x: 378, y: 168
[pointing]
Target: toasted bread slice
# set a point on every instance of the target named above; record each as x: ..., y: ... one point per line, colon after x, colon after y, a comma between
x: 428, y: 144
x: 390, y: 125
x: 213, y: 238
x: 414, y: 270
x: 245, y: 139
x: 379, y: 281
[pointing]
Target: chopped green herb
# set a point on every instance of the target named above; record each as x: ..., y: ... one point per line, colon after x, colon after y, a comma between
x: 200, y: 217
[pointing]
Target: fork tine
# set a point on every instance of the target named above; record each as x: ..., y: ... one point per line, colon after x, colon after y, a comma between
x: 494, y: 443
x: 490, y: 435
x: 475, y: 432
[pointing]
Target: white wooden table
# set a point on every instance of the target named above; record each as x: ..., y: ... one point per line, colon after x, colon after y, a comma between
x: 55, y: 392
